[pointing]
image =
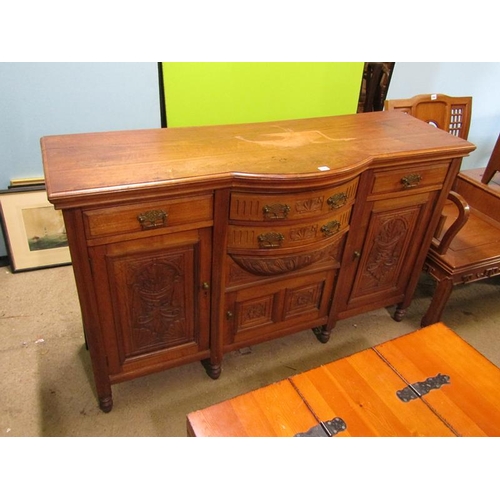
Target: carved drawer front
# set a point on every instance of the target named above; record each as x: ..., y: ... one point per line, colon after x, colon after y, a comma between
x: 246, y: 267
x: 260, y: 311
x: 265, y: 237
x: 278, y: 207
x: 147, y: 216
x: 409, y: 179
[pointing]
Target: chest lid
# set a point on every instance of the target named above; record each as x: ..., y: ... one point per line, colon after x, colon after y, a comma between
x: 450, y: 376
x: 361, y: 390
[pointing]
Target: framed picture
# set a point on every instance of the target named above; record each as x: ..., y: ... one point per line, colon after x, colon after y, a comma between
x: 34, y: 230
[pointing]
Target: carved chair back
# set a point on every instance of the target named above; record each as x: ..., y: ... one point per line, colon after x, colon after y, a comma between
x: 452, y: 114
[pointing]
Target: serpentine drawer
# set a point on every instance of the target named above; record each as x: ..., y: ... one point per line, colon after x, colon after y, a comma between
x: 264, y: 207
x: 285, y: 235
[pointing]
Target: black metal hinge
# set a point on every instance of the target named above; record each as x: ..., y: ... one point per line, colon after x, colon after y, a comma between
x: 325, y: 429
x: 419, y: 389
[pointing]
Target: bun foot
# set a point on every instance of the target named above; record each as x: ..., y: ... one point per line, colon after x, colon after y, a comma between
x: 321, y: 334
x: 399, y: 314
x: 213, y: 371
x: 106, y: 404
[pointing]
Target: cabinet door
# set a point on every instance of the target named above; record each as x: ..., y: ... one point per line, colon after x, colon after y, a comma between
x: 380, y: 260
x: 153, y: 299
x: 262, y: 312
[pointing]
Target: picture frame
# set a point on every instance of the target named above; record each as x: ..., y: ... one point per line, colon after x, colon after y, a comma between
x: 34, y: 230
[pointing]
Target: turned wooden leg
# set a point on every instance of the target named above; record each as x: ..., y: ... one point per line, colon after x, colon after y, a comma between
x: 106, y: 403
x: 399, y: 313
x: 322, y: 334
x: 104, y: 393
x: 438, y: 302
x: 213, y: 370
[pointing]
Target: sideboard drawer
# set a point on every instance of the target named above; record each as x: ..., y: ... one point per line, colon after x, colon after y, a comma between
x: 268, y: 237
x: 410, y: 178
x: 275, y: 207
x: 151, y: 215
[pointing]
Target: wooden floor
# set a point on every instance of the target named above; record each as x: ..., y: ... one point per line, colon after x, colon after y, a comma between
x: 477, y: 173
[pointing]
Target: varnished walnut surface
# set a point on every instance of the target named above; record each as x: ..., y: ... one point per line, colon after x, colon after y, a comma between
x: 94, y: 167
x: 107, y: 183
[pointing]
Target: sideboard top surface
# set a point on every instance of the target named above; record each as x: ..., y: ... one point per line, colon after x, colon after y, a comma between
x: 92, y: 165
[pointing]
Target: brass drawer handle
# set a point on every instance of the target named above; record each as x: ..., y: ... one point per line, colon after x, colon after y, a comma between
x: 270, y: 240
x: 276, y: 211
x: 411, y: 181
x: 331, y: 228
x: 152, y: 219
x: 337, y: 200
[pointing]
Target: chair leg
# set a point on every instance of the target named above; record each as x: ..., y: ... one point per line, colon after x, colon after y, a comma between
x: 438, y: 302
x: 488, y: 175
x: 493, y: 164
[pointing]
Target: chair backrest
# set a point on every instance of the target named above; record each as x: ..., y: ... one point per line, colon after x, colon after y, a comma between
x: 452, y: 114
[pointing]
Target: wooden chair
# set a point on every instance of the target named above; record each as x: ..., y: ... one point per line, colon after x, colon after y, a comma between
x: 469, y: 248
x: 452, y: 114
x: 467, y: 244
x: 493, y: 164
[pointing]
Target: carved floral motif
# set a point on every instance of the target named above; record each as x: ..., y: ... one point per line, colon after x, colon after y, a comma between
x: 303, y: 233
x: 386, y: 249
x: 278, y: 265
x: 156, y: 308
x: 309, y: 205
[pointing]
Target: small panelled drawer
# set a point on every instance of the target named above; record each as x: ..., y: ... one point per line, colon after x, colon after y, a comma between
x: 147, y: 216
x: 265, y: 237
x: 290, y: 206
x: 410, y: 178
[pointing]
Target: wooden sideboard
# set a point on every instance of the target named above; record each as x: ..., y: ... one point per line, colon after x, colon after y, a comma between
x: 188, y: 243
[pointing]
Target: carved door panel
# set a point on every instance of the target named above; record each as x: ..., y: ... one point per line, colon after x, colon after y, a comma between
x: 158, y: 291
x: 260, y: 312
x: 382, y: 259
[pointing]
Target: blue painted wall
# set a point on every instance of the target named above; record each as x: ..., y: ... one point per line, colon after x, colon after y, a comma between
x: 38, y: 99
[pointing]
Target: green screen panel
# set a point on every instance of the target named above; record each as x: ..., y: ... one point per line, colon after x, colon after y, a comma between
x: 214, y: 93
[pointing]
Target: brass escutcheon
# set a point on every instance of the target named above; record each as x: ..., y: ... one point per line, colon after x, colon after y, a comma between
x: 276, y: 211
x: 337, y: 200
x: 153, y: 219
x: 270, y: 240
x: 331, y: 228
x: 411, y: 181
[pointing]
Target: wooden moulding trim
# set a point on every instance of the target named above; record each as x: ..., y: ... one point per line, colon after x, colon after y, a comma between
x: 240, y: 180
x: 130, y: 193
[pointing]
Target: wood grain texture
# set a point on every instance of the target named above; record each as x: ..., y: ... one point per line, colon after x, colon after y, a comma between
x: 276, y: 410
x: 361, y: 389
x: 94, y: 164
x: 471, y: 402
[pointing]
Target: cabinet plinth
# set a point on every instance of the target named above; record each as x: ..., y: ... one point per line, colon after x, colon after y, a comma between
x: 189, y: 243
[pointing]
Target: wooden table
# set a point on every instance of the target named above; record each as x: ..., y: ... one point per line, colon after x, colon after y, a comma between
x: 426, y: 383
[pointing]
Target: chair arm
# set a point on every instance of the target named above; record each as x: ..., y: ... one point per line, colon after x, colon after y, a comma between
x: 463, y: 216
